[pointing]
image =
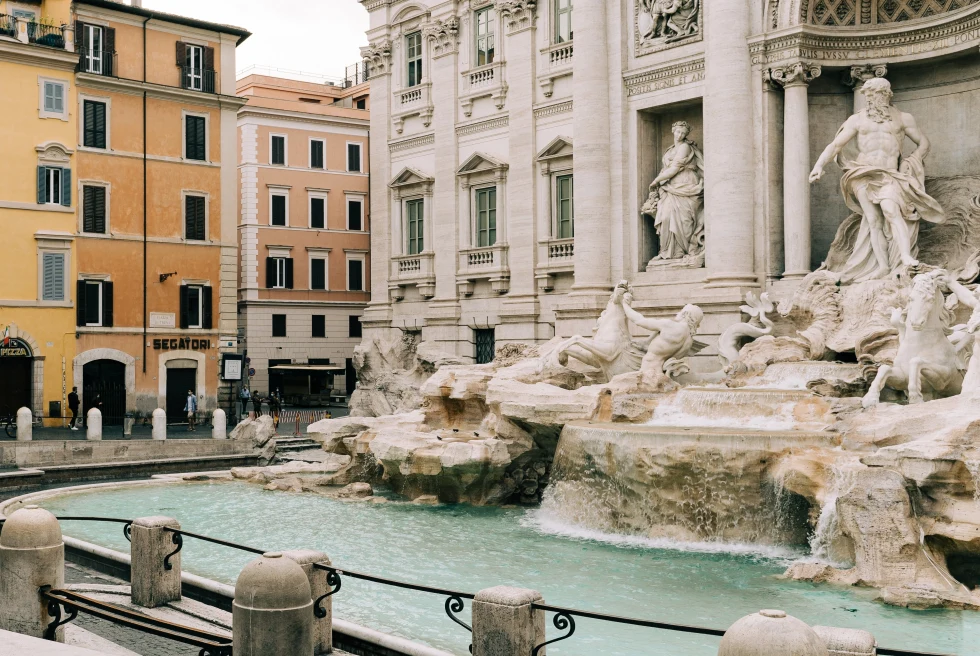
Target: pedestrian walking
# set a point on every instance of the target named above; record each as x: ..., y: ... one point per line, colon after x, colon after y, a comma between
x: 191, y: 409
x: 257, y: 403
x: 275, y: 408
x: 244, y: 396
x: 73, y: 405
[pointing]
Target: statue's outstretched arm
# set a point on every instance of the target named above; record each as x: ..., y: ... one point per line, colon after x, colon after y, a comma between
x: 655, y: 325
x: 847, y: 132
x: 963, y: 295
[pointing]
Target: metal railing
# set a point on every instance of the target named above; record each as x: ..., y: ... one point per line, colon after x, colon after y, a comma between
x: 8, y: 25
x: 46, y: 35
x: 356, y: 74
x: 564, y: 619
x: 97, y: 62
x: 197, y: 79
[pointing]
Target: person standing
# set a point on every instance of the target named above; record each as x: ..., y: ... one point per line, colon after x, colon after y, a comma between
x: 244, y: 395
x: 73, y: 405
x: 191, y: 409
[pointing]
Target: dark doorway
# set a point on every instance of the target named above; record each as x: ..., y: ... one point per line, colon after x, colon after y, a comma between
x: 277, y: 379
x: 15, y: 384
x: 105, y: 381
x: 351, y: 377
x: 179, y: 381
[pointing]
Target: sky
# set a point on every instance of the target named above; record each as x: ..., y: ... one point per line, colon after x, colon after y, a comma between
x: 314, y: 36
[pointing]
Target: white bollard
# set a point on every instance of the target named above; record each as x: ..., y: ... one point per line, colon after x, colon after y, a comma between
x: 32, y: 554
x: 272, y: 614
x: 219, y: 425
x: 25, y: 425
x: 93, y: 424
x: 770, y: 632
x: 159, y: 422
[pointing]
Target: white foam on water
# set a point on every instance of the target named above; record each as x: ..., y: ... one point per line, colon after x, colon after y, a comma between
x: 547, y: 523
x: 671, y: 415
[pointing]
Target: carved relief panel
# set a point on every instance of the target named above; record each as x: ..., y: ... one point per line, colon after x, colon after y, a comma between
x: 661, y: 24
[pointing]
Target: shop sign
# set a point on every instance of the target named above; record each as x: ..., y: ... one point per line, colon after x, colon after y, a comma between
x: 14, y: 347
x: 231, y: 367
x: 181, y: 344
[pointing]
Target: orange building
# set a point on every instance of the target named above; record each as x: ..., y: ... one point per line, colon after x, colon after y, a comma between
x: 303, y: 233
x: 156, y: 240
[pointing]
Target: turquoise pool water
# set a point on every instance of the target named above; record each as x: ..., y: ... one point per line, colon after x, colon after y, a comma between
x: 467, y: 549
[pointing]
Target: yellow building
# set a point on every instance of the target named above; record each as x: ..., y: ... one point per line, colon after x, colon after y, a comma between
x: 37, y: 204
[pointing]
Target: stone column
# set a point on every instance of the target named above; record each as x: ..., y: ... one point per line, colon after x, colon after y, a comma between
x: 32, y: 554
x: 505, y: 623
x: 322, y: 626
x: 158, y: 423
x: 856, y: 76
x: 153, y: 584
x: 794, y: 78
x: 590, y: 123
x: 25, y: 425
x: 93, y: 424
x: 272, y: 614
x: 729, y: 152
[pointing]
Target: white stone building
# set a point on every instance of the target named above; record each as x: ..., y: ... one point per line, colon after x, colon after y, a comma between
x: 513, y: 143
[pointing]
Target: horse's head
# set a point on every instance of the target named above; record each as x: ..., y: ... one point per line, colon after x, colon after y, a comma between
x: 926, y: 307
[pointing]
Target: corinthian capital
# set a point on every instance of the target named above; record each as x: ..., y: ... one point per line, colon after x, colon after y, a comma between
x: 378, y: 56
x: 518, y: 14
x: 791, y: 75
x: 444, y: 35
x: 858, y: 75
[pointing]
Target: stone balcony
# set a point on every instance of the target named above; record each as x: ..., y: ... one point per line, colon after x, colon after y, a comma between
x: 556, y: 62
x: 412, y: 101
x: 554, y: 256
x: 418, y: 270
x: 484, y: 263
x: 482, y: 82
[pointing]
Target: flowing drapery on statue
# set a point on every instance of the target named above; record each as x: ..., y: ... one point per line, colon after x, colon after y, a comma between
x: 886, y: 191
x: 676, y: 200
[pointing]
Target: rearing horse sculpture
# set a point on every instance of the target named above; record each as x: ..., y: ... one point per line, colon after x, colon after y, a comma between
x: 926, y: 365
x: 611, y: 348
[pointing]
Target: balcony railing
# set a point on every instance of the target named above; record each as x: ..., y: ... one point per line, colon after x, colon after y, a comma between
x: 97, y: 62
x: 46, y: 35
x: 8, y: 26
x: 560, y: 55
x: 197, y: 79
x: 561, y: 250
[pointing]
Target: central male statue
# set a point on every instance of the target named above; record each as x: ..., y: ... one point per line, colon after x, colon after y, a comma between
x: 886, y: 190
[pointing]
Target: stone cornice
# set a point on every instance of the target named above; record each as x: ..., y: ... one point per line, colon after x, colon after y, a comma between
x: 159, y: 91
x: 34, y: 55
x: 942, y: 35
x: 482, y: 126
x: 553, y: 109
x: 413, y: 142
x: 302, y: 117
x: 664, y: 77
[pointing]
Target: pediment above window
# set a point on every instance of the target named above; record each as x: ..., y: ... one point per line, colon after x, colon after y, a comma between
x: 559, y: 147
x: 480, y: 162
x: 410, y: 176
x: 54, y: 152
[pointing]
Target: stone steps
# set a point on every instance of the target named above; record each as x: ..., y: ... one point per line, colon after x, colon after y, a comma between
x: 294, y: 444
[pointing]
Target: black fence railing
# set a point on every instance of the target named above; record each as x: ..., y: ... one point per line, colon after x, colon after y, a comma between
x: 197, y: 79
x: 46, y: 35
x: 356, y: 74
x: 564, y: 618
x: 97, y: 62
x: 8, y: 25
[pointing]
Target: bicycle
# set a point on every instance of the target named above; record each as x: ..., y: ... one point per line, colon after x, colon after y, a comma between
x: 10, y: 426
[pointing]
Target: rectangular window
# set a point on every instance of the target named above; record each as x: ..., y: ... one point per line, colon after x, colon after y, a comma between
x: 354, y: 157
x: 93, y: 303
x: 195, y: 138
x: 316, y: 154
x: 319, y: 326
x: 353, y: 326
x: 53, y: 277
x: 414, y: 212
x: 93, y: 209
x: 93, y: 56
x: 355, y: 275
x: 318, y: 273
x: 194, y: 313
x: 280, y: 279
x: 278, y: 155
x: 278, y: 210
x: 486, y: 216
x: 564, y: 197
x: 278, y: 325
x: 563, y: 21
x: 355, y: 214
x: 485, y: 339
x: 53, y: 186
x: 195, y: 68
x: 194, y: 218
x: 195, y: 306
x: 94, y: 124
x: 318, y: 212
x: 279, y: 272
x: 53, y: 196
x: 360, y: 103
x: 54, y: 97
x: 413, y: 47
x: 484, y: 36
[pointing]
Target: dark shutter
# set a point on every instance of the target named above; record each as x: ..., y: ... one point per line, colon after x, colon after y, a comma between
x: 354, y: 157
x: 93, y: 209
x: 80, y: 303
x: 80, y: 30
x: 42, y: 185
x: 355, y: 275
x: 184, y: 309
x: 318, y: 278
x: 181, y: 54
x: 194, y: 226
x: 270, y: 272
x: 88, y: 130
x: 107, y: 304
x: 194, y: 137
x: 94, y: 124
x: 208, y: 73
x: 354, y: 214
x: 289, y: 273
x: 108, y: 50
x: 206, y: 306
x: 278, y: 210
x: 278, y: 150
x: 319, y: 326
x: 316, y: 154
x: 66, y: 187
x: 316, y: 212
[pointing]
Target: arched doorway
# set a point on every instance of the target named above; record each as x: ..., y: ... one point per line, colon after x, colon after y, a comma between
x: 16, y: 375
x: 104, y: 382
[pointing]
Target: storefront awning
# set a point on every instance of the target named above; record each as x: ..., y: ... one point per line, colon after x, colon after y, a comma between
x: 306, y: 367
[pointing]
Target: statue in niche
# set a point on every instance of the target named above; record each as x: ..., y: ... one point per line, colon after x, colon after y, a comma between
x: 668, y: 20
x: 676, y: 203
x: 885, y: 190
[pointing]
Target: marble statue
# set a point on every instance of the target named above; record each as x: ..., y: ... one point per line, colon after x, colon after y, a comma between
x: 611, y: 348
x: 668, y: 19
x: 671, y: 340
x: 676, y: 202
x: 884, y: 189
x: 734, y: 338
x: 927, y: 365
x: 971, y: 382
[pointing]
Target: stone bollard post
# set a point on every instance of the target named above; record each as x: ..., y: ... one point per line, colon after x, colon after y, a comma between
x: 322, y: 626
x: 93, y: 424
x: 847, y: 642
x: 159, y: 424
x: 25, y: 425
x: 771, y: 632
x: 152, y: 583
x: 32, y: 554
x: 272, y: 614
x: 219, y: 425
x: 505, y: 623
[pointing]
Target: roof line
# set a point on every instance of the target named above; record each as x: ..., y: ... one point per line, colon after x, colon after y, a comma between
x: 170, y: 18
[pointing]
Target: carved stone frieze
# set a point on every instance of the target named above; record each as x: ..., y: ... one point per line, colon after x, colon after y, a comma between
x: 378, y: 57
x: 797, y: 73
x: 660, y: 24
x: 444, y: 35
x: 518, y: 15
x: 664, y: 77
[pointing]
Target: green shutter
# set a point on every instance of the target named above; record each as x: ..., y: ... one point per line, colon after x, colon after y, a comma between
x: 42, y: 185
x: 66, y: 187
x: 53, y: 277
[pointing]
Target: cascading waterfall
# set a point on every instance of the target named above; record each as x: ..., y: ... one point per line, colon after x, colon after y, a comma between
x: 827, y: 531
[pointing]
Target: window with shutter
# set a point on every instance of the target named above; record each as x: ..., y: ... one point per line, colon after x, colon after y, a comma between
x: 194, y: 307
x: 107, y: 303
x: 54, y: 99
x: 93, y: 209
x: 195, y: 138
x: 319, y: 326
x: 354, y: 157
x: 355, y: 214
x: 194, y: 218
x: 52, y: 193
x: 92, y: 55
x: 93, y: 303
x: 53, y: 277
x: 278, y: 150
x: 318, y: 273
x: 207, y: 300
x: 193, y: 74
x: 355, y: 275
x: 94, y: 132
x: 276, y: 273
x: 316, y: 154
x: 317, y: 212
x: 278, y: 210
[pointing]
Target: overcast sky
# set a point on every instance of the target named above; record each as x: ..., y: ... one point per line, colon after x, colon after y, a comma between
x: 316, y: 36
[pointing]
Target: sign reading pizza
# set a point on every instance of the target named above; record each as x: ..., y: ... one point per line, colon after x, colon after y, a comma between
x: 14, y: 347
